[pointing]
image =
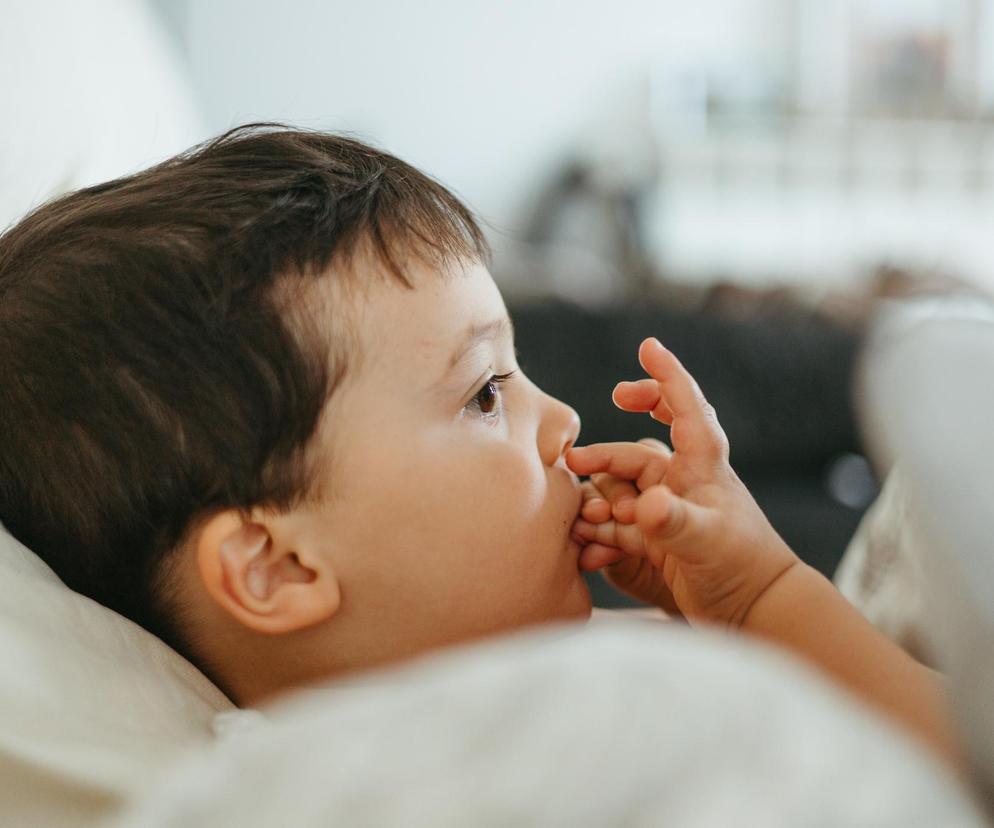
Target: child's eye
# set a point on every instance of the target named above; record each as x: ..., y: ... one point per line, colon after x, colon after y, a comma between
x: 487, y: 400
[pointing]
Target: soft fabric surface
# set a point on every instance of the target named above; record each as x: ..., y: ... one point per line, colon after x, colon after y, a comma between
x: 929, y: 404
x: 882, y: 572
x: 622, y: 724
x: 92, y: 707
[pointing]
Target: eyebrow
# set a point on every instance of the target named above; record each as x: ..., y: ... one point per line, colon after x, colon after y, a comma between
x: 474, y: 334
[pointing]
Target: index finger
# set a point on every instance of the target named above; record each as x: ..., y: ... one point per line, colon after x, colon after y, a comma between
x: 642, y: 463
x: 695, y: 425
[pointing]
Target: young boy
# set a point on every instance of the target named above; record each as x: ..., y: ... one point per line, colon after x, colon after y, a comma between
x: 263, y: 399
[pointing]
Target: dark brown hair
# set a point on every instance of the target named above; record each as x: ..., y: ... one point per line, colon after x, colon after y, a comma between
x: 151, y: 374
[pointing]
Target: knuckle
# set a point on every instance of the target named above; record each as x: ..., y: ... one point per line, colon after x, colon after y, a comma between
x: 717, y: 451
x: 719, y: 443
x: 723, y: 443
x: 717, y: 439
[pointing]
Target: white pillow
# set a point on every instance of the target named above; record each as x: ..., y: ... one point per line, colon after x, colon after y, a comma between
x: 92, y: 706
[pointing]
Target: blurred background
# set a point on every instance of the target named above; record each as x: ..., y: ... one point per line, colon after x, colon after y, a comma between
x: 748, y: 180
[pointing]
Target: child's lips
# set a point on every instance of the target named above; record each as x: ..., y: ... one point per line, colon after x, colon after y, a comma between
x: 576, y: 505
x: 571, y: 516
x: 576, y: 537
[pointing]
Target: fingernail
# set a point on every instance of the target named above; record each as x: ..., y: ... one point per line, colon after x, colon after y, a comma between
x: 657, y: 344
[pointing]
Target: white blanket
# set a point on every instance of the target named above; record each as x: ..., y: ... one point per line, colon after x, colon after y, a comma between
x: 620, y: 724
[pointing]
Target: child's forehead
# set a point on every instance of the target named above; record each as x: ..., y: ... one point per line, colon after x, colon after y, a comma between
x: 430, y: 325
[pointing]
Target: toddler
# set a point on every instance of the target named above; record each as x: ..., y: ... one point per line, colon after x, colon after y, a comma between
x: 263, y: 399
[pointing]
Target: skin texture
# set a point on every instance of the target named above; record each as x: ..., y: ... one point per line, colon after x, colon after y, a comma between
x: 445, y: 513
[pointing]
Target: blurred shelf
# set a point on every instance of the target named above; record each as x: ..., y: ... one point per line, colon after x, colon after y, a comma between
x: 824, y: 199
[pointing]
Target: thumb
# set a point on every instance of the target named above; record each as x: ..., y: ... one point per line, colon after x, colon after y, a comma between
x: 669, y: 523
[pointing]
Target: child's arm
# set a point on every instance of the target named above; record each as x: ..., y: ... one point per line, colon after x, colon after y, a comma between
x: 680, y: 529
x: 804, y: 612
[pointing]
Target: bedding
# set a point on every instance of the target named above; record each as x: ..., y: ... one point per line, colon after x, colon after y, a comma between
x: 885, y: 569
x: 882, y: 572
x: 92, y: 707
x: 928, y: 405
x: 623, y: 723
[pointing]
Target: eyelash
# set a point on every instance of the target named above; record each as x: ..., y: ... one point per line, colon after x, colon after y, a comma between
x: 496, y: 381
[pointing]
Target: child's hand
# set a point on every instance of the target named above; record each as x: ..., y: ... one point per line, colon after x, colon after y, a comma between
x: 694, y: 534
x: 676, y: 528
x: 606, y: 496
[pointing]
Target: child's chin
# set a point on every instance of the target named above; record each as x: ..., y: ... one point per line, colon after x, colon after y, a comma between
x: 580, y: 604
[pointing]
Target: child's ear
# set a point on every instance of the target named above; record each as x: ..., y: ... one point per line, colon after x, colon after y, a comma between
x: 253, y: 568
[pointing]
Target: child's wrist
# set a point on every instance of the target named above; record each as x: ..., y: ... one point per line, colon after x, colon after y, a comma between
x: 788, y: 575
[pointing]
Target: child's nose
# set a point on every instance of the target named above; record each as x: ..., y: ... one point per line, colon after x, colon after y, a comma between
x: 559, y: 430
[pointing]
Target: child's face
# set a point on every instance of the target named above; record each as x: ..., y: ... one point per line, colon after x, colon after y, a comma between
x: 449, y: 502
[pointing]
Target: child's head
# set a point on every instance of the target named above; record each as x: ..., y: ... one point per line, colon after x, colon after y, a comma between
x: 253, y: 398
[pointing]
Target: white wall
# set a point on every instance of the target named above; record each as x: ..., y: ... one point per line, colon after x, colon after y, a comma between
x: 482, y: 94
x: 90, y: 92
x: 488, y: 95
